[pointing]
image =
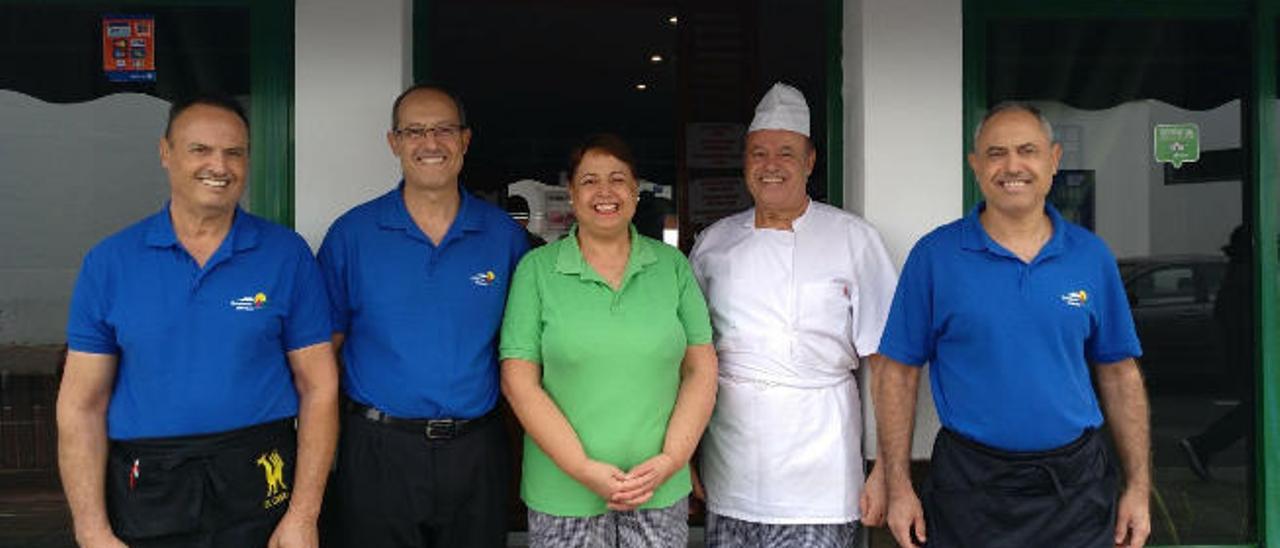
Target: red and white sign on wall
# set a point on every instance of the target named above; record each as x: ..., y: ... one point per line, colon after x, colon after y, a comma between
x: 129, y: 48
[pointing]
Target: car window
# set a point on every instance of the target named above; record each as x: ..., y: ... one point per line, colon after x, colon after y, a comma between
x: 1168, y: 285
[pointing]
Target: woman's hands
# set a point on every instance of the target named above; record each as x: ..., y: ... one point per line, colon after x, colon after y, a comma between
x: 642, y: 480
x: 624, y: 491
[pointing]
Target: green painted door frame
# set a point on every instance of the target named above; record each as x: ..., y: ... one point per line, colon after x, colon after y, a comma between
x: 271, y: 111
x: 1263, y: 158
x: 835, y: 103
x: 1259, y: 130
x: 270, y: 94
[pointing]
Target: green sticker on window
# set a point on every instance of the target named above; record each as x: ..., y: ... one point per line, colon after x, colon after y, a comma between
x: 1177, y: 143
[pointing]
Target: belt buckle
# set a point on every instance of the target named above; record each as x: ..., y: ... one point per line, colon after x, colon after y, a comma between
x: 441, y: 429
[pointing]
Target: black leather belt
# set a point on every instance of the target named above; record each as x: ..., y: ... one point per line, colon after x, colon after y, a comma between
x: 434, y: 429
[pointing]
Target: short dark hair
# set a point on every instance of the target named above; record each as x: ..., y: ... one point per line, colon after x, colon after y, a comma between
x: 607, y: 143
x: 395, y: 107
x: 224, y: 102
x: 1021, y: 106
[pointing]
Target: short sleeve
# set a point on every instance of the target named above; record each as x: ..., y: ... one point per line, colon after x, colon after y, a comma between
x: 87, y: 326
x: 333, y: 267
x: 875, y: 278
x: 908, y: 332
x: 1114, y: 338
x: 522, y: 322
x: 308, y: 322
x: 693, y: 307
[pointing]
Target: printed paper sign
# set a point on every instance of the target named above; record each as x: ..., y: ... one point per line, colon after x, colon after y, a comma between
x: 129, y: 48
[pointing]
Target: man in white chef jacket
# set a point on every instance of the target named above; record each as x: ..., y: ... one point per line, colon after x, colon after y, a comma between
x: 798, y: 292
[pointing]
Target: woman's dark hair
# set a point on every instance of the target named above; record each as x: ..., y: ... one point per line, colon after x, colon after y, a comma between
x: 607, y: 143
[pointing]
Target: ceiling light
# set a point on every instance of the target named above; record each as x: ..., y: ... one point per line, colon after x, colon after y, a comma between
x: 655, y: 58
x: 642, y: 87
x: 673, y: 20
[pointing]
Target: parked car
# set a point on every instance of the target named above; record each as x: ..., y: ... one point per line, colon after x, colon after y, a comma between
x: 1172, y: 298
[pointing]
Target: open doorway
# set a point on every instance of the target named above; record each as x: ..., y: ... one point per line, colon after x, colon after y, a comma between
x: 678, y: 80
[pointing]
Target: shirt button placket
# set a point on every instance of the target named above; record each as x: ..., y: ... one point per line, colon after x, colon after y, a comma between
x: 196, y: 273
x: 430, y: 267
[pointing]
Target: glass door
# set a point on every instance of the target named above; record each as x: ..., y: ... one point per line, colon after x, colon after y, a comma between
x: 1151, y: 117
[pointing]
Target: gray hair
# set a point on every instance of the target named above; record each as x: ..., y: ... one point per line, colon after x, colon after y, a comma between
x: 1006, y: 106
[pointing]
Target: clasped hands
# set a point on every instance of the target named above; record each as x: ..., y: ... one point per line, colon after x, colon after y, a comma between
x: 627, y: 490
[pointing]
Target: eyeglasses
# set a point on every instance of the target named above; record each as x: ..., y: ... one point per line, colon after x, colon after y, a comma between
x: 440, y: 132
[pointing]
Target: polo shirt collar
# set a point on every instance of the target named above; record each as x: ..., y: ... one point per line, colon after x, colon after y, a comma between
x: 571, y: 261
x: 975, y: 238
x: 242, y: 235
x: 394, y: 214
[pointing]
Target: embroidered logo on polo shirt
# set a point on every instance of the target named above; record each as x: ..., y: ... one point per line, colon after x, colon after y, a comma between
x: 483, y: 279
x: 1076, y: 298
x: 250, y: 303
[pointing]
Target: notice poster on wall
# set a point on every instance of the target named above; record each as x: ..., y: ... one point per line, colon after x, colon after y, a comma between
x: 129, y: 48
x: 714, y: 145
x: 712, y: 198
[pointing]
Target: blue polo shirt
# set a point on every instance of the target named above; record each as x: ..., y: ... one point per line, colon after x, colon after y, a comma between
x: 201, y: 350
x: 1009, y: 342
x: 421, y: 320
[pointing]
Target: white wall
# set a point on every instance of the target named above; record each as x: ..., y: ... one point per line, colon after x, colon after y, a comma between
x: 351, y: 60
x: 903, y: 135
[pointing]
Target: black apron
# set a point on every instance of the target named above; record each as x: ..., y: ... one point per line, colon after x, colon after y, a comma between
x: 985, y: 497
x: 191, y: 490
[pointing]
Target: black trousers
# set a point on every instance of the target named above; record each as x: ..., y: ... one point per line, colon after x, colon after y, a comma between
x: 227, y: 489
x: 396, y: 488
x: 984, y: 497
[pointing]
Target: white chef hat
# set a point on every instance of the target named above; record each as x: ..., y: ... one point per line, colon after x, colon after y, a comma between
x: 783, y: 107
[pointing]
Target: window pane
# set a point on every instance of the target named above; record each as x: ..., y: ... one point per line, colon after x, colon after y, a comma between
x: 1180, y: 233
x: 80, y: 161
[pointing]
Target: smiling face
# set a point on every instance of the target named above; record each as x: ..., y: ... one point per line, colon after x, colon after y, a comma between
x: 429, y: 140
x: 604, y: 193
x: 1014, y: 162
x: 777, y: 165
x: 207, y: 156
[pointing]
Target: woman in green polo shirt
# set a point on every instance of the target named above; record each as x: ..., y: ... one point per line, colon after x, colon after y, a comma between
x: 607, y: 361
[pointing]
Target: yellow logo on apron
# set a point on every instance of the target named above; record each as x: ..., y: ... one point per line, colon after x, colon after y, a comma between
x: 273, y: 468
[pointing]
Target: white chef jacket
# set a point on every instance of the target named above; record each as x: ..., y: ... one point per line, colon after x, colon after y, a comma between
x: 792, y: 312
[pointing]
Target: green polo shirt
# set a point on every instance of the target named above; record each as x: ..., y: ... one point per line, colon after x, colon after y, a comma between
x: 610, y: 359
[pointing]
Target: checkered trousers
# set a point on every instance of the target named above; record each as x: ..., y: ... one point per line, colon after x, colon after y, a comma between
x: 657, y: 528
x: 726, y: 532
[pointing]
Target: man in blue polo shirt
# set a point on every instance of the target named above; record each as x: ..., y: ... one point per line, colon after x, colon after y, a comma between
x: 1014, y: 308
x: 196, y: 336
x: 418, y: 278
